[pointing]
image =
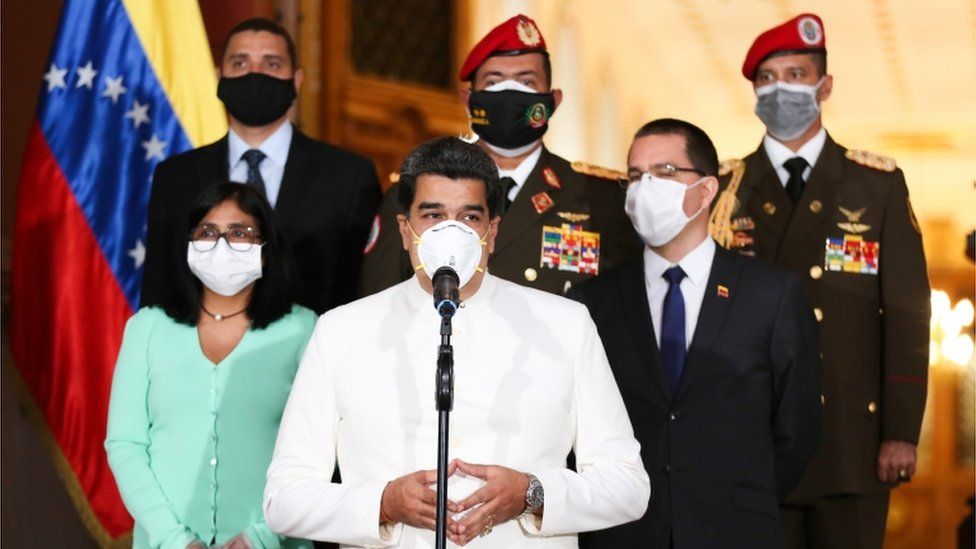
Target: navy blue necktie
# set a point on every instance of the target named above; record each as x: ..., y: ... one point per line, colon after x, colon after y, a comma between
x: 673, y: 348
x: 254, y: 158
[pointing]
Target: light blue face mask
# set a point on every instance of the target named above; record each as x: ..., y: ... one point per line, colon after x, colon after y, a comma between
x: 787, y: 110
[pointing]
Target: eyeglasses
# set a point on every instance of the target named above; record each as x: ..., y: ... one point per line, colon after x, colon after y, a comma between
x: 662, y: 171
x: 238, y: 236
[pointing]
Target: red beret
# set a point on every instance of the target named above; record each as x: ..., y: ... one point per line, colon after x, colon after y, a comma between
x: 803, y: 33
x: 516, y: 36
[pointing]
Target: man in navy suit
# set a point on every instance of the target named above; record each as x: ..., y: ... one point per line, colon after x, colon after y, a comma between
x: 715, y: 354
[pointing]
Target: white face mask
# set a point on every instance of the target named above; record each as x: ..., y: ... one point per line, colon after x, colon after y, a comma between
x: 224, y: 270
x: 787, y: 110
x: 450, y: 244
x: 656, y: 208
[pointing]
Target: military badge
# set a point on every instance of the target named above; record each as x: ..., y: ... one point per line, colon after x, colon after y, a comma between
x: 810, y: 31
x: 527, y: 33
x: 853, y: 224
x: 570, y: 248
x: 723, y: 291
x: 745, y: 223
x: 537, y: 115
x: 741, y: 240
x: 551, y: 179
x: 541, y: 202
x: 851, y: 254
x: 769, y: 208
x: 573, y: 217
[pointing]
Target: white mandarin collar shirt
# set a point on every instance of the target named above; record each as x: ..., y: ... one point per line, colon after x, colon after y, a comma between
x: 697, y: 265
x: 531, y: 383
x: 521, y: 172
x: 779, y: 153
x: 275, y: 148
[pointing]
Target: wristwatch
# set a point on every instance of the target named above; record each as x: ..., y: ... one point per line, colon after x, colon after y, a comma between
x: 535, y: 497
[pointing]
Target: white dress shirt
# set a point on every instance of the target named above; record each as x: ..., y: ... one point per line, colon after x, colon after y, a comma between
x: 697, y: 265
x: 521, y: 172
x: 275, y: 148
x: 531, y: 382
x: 779, y: 153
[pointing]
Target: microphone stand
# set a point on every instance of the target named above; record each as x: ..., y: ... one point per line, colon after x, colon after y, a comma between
x: 445, y: 403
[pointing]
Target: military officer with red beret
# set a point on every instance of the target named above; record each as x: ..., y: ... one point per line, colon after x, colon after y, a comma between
x: 842, y: 220
x: 563, y: 222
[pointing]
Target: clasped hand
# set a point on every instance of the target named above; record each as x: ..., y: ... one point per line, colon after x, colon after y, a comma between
x: 411, y: 500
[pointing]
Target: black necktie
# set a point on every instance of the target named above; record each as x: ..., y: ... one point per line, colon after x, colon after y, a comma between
x: 794, y: 185
x: 253, y: 158
x: 673, y: 349
x: 507, y: 184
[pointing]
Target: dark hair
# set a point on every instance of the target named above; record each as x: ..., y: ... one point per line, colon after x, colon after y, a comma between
x: 273, y: 292
x: 698, y: 147
x: 262, y: 24
x: 546, y: 64
x: 454, y: 159
x: 818, y: 56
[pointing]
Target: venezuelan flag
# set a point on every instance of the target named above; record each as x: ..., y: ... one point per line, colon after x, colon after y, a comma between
x: 128, y: 83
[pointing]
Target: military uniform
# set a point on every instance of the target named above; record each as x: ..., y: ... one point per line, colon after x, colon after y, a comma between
x: 566, y: 224
x: 854, y: 241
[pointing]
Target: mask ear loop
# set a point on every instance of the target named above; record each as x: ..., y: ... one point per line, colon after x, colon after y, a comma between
x: 484, y: 244
x: 416, y: 242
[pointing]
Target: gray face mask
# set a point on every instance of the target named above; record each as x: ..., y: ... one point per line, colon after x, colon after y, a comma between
x: 787, y: 110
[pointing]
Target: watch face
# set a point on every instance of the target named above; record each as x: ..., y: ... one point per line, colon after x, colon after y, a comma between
x: 534, y: 496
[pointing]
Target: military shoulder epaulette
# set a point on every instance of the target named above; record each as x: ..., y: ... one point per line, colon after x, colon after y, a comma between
x: 728, y: 166
x: 872, y: 160
x: 598, y: 171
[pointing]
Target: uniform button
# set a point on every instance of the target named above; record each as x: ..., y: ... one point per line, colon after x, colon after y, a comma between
x: 531, y: 274
x: 769, y: 208
x: 822, y: 400
x: 816, y: 272
x: 881, y: 311
x: 816, y: 206
x: 567, y: 286
x: 666, y: 468
x: 872, y: 407
x: 213, y: 461
x: 673, y: 416
x: 818, y: 312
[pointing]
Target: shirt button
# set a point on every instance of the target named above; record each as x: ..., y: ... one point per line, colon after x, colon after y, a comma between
x: 213, y: 461
x: 666, y: 468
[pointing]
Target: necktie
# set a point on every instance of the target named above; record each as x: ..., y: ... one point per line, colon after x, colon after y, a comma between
x: 507, y: 184
x: 673, y: 348
x: 254, y: 158
x: 794, y: 185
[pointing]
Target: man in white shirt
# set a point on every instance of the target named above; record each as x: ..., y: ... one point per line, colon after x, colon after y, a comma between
x: 531, y: 384
x: 842, y: 221
x: 715, y: 354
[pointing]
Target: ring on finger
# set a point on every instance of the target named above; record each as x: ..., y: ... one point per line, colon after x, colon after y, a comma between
x: 902, y: 474
x: 488, y: 526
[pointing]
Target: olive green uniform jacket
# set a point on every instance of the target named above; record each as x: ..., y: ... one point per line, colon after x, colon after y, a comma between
x: 855, y: 243
x: 576, y: 200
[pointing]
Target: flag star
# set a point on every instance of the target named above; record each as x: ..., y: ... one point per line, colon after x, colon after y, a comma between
x: 114, y: 88
x: 139, y: 113
x: 154, y: 148
x: 138, y: 253
x: 86, y: 76
x: 55, y: 77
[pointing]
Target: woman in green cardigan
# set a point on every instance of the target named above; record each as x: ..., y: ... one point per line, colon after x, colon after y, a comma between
x: 201, y: 382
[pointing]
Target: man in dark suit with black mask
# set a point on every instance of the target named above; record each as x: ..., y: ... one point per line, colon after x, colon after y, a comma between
x: 325, y: 198
x: 715, y: 355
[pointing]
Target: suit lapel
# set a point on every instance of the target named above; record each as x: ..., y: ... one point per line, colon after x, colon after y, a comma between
x: 213, y: 166
x: 299, y: 169
x: 522, y: 215
x: 822, y: 187
x: 725, y: 272
x: 633, y: 297
x: 768, y: 201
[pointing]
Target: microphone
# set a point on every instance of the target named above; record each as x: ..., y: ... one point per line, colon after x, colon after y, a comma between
x: 446, y: 293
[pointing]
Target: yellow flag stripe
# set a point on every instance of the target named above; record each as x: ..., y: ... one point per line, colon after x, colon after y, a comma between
x: 175, y: 42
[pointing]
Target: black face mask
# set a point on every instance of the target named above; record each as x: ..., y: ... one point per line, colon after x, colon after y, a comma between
x: 256, y: 99
x: 510, y: 119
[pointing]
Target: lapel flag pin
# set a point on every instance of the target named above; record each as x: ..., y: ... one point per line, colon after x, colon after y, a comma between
x: 723, y: 291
